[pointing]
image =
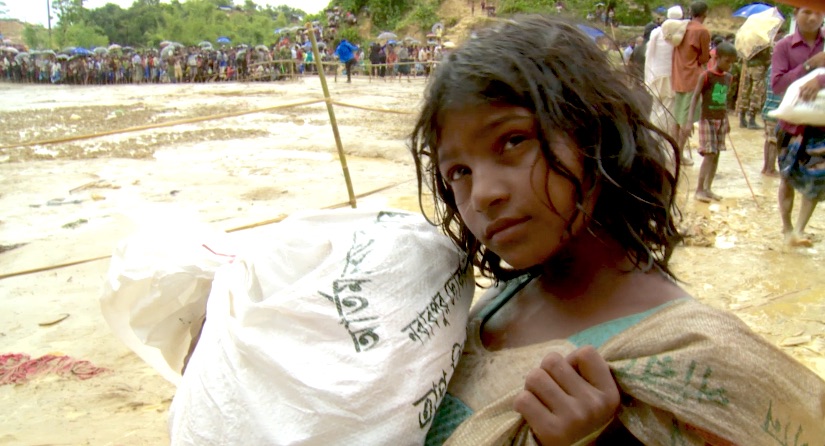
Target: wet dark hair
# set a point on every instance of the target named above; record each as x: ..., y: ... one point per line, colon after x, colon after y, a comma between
x: 551, y: 67
x: 726, y: 49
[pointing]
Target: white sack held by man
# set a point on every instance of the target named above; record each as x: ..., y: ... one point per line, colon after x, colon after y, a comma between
x: 337, y: 328
x: 796, y: 111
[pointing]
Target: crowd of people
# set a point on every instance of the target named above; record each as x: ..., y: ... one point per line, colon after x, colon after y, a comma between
x: 173, y: 63
x: 695, y: 77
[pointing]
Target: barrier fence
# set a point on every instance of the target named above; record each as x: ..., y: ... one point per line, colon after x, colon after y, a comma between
x: 327, y: 99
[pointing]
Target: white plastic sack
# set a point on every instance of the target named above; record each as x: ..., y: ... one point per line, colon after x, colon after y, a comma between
x: 798, y: 112
x: 154, y: 296
x: 342, y: 328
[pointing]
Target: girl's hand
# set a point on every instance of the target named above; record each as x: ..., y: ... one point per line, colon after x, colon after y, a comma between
x: 567, y: 399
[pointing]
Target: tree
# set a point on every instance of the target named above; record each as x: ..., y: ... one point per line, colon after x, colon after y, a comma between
x: 3, y: 9
x: 35, y: 36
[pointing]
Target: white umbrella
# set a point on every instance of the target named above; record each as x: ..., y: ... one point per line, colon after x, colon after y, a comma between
x: 11, y: 49
x: 386, y: 35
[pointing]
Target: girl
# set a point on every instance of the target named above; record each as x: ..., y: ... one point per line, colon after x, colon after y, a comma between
x: 549, y: 174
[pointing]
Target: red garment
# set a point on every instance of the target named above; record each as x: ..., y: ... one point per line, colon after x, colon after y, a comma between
x: 690, y: 57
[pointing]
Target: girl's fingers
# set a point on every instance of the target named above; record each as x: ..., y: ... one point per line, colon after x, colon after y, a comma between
x: 546, y: 389
x: 563, y: 373
x: 595, y: 370
x: 542, y: 422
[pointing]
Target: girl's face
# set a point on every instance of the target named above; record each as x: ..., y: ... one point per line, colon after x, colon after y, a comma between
x: 491, y: 158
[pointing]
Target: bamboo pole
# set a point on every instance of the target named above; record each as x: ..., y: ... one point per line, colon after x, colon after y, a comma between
x: 341, y: 155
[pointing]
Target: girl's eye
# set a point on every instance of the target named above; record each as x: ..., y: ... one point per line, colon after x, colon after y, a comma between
x: 513, y: 141
x: 456, y: 173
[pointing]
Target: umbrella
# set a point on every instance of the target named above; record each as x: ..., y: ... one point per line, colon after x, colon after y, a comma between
x: 386, y: 35
x: 47, y: 52
x: 62, y: 57
x: 437, y: 27
x: 758, y: 32
x: 205, y: 45
x: 81, y: 52
x: 11, y: 49
x: 240, y: 54
x: 164, y: 43
x: 114, y: 47
x: 68, y: 50
x: 224, y: 40
x: 431, y: 35
x: 167, y: 51
x: 262, y: 48
x: 128, y: 49
x: 392, y: 42
x: 751, y: 9
x: 594, y: 33
x: 660, y: 10
x: 449, y: 45
x: 102, y: 51
x: 21, y: 56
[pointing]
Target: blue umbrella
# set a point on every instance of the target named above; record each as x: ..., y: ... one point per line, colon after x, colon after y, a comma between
x: 754, y: 8
x: 660, y: 10
x: 81, y: 52
x: 590, y: 31
x: 223, y: 39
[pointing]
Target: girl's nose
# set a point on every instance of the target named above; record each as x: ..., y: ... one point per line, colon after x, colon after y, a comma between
x: 490, y: 188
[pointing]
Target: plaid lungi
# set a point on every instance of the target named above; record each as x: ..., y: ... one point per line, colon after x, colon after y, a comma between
x: 712, y: 133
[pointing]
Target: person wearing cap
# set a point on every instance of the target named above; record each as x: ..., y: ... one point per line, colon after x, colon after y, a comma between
x: 658, y: 71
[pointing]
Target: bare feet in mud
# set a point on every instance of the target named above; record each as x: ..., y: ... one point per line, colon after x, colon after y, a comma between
x: 796, y: 240
x: 713, y: 196
x: 703, y: 197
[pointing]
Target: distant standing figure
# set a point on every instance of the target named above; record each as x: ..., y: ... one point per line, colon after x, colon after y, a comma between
x: 658, y: 71
x: 712, y: 87
x: 751, y: 95
x: 346, y: 54
x: 689, y: 59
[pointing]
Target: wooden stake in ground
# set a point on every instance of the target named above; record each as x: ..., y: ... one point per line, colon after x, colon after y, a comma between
x: 341, y: 155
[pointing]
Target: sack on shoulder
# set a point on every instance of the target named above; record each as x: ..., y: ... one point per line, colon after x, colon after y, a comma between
x: 673, y: 31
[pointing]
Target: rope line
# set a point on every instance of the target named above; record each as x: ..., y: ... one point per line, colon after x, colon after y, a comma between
x: 163, y: 124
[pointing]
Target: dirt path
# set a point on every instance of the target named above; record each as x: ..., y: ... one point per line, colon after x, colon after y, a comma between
x: 74, y: 201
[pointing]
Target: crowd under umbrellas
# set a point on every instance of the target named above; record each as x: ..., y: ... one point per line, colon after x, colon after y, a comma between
x: 169, y: 62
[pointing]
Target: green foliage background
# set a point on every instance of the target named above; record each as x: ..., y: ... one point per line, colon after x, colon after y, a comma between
x: 148, y: 22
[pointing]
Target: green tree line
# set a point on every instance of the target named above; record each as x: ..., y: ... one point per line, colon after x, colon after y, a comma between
x: 148, y: 22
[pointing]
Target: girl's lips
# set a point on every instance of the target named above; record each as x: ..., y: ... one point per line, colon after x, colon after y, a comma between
x: 502, y: 224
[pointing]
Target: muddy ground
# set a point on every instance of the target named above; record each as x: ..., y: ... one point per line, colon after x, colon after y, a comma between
x: 74, y: 200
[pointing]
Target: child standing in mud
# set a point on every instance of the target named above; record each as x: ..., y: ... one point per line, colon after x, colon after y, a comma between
x: 551, y: 177
x: 712, y: 90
